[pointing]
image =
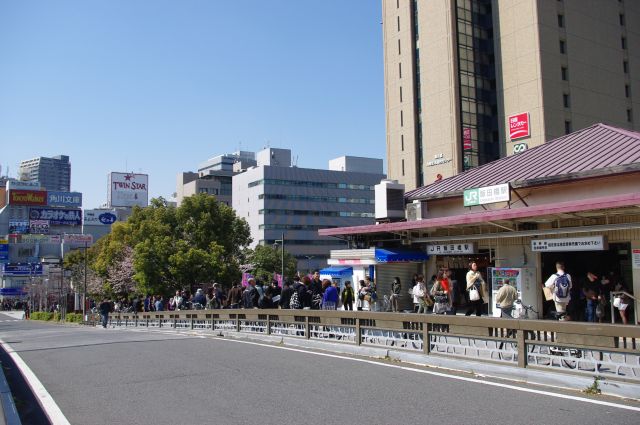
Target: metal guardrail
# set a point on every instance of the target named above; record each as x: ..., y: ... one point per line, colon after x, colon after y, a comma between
x: 604, y: 350
x: 615, y: 294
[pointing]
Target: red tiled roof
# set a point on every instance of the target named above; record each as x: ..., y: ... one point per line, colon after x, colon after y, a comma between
x: 592, y: 204
x: 577, y: 154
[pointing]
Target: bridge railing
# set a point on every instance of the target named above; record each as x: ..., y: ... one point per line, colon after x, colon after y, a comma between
x: 611, y: 351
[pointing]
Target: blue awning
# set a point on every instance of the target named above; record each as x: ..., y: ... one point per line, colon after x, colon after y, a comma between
x: 399, y: 255
x: 337, y: 271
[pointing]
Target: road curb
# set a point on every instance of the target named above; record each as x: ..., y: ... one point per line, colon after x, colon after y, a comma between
x: 513, y: 374
x: 8, y: 412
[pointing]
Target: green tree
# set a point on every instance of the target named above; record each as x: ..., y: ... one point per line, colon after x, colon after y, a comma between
x: 267, y: 260
x: 200, y: 241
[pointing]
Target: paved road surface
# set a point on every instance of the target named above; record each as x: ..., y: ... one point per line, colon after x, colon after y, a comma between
x: 100, y: 376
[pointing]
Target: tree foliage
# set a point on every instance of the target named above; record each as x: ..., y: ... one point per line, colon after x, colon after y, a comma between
x: 267, y: 260
x: 162, y: 248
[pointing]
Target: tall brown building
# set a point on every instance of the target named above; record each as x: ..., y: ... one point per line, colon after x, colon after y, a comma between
x: 469, y: 81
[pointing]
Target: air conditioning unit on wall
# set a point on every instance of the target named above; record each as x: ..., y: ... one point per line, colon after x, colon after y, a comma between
x: 389, y: 204
x: 417, y: 210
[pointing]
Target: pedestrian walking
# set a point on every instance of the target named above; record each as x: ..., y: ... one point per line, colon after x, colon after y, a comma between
x: 396, y: 287
x: 105, y: 308
x: 347, y: 296
x: 560, y: 284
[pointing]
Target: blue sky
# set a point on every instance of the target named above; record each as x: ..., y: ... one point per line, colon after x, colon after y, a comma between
x: 159, y: 86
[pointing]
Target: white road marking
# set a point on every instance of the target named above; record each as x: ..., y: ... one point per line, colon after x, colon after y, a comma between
x: 49, y: 406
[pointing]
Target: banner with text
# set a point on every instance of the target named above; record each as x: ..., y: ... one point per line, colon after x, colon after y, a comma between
x: 39, y: 227
x: 128, y: 190
x: 27, y: 197
x: 64, y: 199
x: 57, y: 217
x: 18, y: 226
x: 99, y: 217
x: 588, y: 243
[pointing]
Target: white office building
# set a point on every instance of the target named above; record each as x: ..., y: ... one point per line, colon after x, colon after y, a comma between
x: 276, y: 198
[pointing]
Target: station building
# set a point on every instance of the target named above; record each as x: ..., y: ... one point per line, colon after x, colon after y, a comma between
x: 575, y: 199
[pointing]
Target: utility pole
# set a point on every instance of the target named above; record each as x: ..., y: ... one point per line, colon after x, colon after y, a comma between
x: 84, y: 296
x: 282, y: 260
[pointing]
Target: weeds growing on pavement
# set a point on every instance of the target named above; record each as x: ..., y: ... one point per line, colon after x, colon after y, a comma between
x: 594, y: 388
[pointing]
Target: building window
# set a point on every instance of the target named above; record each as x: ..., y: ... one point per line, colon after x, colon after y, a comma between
x: 627, y: 91
x: 400, y: 93
x: 398, y: 46
x: 402, y: 142
x: 398, y: 24
x: 561, y: 21
x: 397, y: 4
x: 625, y: 67
x: 622, y: 20
x: 565, y: 73
x: 623, y: 42
x: 629, y: 115
x: 399, y: 70
x: 565, y: 100
x: 403, y: 167
x: 401, y: 119
x: 563, y: 47
x: 567, y: 127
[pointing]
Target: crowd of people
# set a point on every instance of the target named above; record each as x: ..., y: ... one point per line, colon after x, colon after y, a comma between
x: 568, y: 300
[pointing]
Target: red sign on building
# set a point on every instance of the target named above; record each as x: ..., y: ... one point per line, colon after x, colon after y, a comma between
x: 519, y: 126
x: 27, y: 197
x: 466, y: 139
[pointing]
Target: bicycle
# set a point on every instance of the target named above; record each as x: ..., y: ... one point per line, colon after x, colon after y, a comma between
x: 523, y: 311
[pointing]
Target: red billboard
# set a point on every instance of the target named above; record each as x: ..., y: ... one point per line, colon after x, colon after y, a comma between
x: 466, y: 139
x: 519, y: 126
x: 27, y: 197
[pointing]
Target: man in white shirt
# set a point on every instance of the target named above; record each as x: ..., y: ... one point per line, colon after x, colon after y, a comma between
x: 560, y: 284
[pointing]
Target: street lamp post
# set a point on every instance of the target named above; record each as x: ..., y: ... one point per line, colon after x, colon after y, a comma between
x: 281, y: 241
x: 84, y: 295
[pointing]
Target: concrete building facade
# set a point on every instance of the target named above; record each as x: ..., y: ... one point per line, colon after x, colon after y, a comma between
x: 461, y: 76
x: 52, y: 173
x: 276, y: 198
x: 214, y: 176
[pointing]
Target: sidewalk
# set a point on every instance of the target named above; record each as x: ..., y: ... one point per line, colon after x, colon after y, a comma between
x: 8, y: 411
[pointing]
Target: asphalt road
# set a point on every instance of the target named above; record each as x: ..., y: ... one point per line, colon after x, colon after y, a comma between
x: 99, y: 376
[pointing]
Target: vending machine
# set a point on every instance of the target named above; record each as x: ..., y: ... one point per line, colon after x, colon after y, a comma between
x: 522, y: 278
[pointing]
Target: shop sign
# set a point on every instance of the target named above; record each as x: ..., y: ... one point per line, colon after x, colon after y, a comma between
x: 13, y: 269
x: 39, y: 227
x: 64, y: 199
x: 466, y: 139
x: 57, y: 217
x: 4, y: 251
x: 33, y: 239
x: 487, y: 195
x: 16, y: 184
x: 519, y: 126
x: 588, y: 243
x: 519, y: 148
x: 78, y: 239
x: 128, y: 190
x: 635, y: 258
x: 438, y: 159
x: 13, y: 292
x: 28, y: 197
x: 99, y: 217
x: 18, y: 226
x: 451, y: 249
